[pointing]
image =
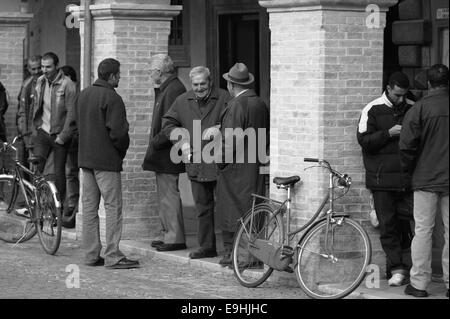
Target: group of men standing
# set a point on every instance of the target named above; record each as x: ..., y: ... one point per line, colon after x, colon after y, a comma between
x: 406, y: 155
x: 224, y: 187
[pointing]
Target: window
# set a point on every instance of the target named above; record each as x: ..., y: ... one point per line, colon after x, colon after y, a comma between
x: 179, y: 35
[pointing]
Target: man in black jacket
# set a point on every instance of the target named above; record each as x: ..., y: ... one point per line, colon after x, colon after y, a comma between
x: 103, y: 144
x: 378, y: 134
x: 424, y: 152
x: 193, y: 115
x: 167, y: 88
x: 3, y: 109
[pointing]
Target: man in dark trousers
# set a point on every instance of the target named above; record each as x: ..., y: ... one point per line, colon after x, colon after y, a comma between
x: 239, y: 175
x: 103, y: 144
x: 3, y: 109
x: 194, y: 113
x: 157, y: 159
x: 424, y: 152
x: 378, y: 134
x: 53, y: 118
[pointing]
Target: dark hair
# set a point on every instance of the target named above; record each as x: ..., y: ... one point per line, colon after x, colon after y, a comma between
x: 51, y: 55
x: 400, y: 79
x: 70, y: 72
x: 438, y: 75
x: 34, y: 58
x: 108, y: 67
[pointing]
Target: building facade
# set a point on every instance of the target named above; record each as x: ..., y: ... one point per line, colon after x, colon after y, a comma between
x: 317, y: 63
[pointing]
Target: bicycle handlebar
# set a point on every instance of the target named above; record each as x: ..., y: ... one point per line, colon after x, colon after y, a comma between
x: 343, y: 179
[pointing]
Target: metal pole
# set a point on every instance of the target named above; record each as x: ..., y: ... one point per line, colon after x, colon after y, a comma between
x: 87, y: 43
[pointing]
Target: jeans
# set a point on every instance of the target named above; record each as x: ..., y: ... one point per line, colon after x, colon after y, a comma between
x: 73, y: 183
x: 170, y: 208
x: 44, y: 144
x: 425, y: 207
x: 108, y: 185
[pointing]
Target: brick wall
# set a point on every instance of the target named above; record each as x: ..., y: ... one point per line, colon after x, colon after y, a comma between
x: 132, y: 41
x: 326, y: 65
x: 11, y: 67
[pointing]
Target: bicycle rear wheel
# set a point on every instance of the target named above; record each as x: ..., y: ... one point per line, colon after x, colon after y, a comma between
x: 16, y: 225
x: 48, y: 217
x: 262, y: 224
x: 337, y: 271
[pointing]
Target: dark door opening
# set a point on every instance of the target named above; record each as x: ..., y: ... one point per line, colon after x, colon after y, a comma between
x: 239, y: 42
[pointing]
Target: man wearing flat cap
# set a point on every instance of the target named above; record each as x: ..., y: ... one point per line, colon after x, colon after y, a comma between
x: 239, y: 175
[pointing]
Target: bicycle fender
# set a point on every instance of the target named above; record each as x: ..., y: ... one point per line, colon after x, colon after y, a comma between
x: 54, y: 193
x: 317, y: 222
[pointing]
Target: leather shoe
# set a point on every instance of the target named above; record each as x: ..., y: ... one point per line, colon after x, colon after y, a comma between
x: 170, y: 247
x: 99, y: 262
x: 124, y: 263
x: 156, y: 243
x: 203, y: 254
x: 226, y: 261
x: 410, y: 290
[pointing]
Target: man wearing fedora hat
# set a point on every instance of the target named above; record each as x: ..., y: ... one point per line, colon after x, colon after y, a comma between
x: 240, y: 178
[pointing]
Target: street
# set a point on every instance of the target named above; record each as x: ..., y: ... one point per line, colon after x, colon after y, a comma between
x: 27, y: 272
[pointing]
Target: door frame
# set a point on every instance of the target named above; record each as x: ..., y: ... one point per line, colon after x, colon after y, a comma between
x: 217, y: 8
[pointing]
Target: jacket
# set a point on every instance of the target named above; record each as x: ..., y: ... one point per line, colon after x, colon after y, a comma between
x: 380, y: 151
x: 63, y: 100
x: 424, y: 142
x: 25, y: 109
x: 182, y: 114
x: 103, y: 128
x: 157, y: 158
x: 240, y: 179
x: 3, y: 109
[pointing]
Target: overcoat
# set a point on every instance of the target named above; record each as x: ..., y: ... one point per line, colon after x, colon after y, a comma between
x: 157, y: 159
x: 239, y: 179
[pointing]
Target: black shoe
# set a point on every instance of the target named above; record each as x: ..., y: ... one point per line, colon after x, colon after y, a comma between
x: 226, y: 261
x: 410, y: 290
x: 124, y: 263
x: 156, y: 243
x: 203, y: 254
x: 99, y: 262
x: 170, y: 247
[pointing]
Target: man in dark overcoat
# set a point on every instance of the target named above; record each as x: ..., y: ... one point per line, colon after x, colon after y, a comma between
x: 244, y: 132
x: 194, y: 114
x: 157, y: 159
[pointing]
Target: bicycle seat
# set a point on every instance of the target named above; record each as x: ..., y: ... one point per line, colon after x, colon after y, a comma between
x: 286, y: 181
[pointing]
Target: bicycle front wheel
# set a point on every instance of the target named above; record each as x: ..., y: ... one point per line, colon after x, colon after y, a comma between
x: 48, y: 217
x: 332, y: 262
x: 261, y: 224
x: 16, y: 224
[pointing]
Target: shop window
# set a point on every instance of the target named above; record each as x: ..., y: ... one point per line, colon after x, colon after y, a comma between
x: 179, y: 35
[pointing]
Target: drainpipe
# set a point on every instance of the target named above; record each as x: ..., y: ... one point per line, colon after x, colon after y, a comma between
x: 87, y: 43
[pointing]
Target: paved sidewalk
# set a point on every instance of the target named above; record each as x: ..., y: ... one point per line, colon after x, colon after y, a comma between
x: 143, y: 248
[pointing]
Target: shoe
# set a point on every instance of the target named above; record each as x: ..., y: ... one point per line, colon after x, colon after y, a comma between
x: 226, y: 261
x: 203, y: 254
x: 99, y: 262
x: 156, y: 243
x: 397, y: 279
x: 124, y: 263
x: 170, y: 247
x: 410, y: 290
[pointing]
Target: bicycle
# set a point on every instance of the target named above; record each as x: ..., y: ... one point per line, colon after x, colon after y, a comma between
x: 33, y: 206
x: 331, y: 256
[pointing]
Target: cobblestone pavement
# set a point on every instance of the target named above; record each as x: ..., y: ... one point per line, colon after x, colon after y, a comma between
x: 27, y: 272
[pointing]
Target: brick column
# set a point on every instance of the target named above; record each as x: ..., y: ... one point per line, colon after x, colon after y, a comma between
x: 132, y: 32
x: 326, y: 65
x: 12, y: 34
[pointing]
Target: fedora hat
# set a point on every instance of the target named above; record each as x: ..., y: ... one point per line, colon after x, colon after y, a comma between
x: 239, y: 74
